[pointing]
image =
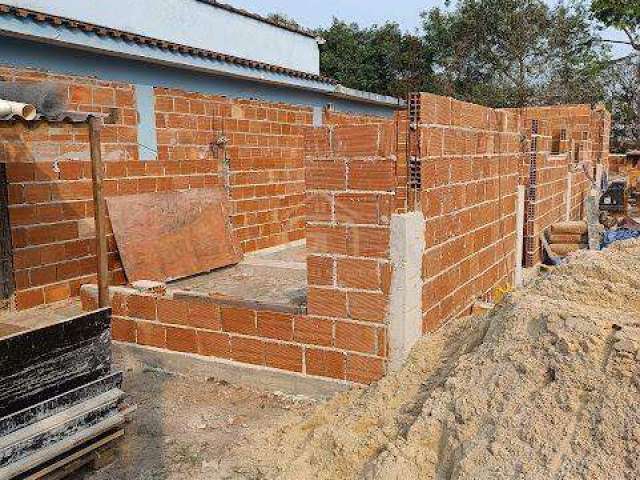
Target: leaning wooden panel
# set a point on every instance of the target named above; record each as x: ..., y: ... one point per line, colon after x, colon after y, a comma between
x: 170, y: 235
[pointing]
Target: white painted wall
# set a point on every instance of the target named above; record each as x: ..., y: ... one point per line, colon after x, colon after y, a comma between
x: 193, y: 23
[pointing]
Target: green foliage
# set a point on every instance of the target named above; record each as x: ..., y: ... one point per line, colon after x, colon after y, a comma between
x: 516, y: 52
x: 623, y: 101
x: 380, y: 59
x: 621, y: 14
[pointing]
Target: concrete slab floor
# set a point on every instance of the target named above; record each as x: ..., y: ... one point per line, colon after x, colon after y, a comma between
x: 275, y: 276
x: 40, y: 316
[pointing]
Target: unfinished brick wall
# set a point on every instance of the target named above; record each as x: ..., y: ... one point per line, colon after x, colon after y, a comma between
x: 469, y: 159
x: 351, y: 185
x: 351, y: 173
x: 582, y: 131
x: 50, y: 177
x: 264, y: 152
x: 580, y: 134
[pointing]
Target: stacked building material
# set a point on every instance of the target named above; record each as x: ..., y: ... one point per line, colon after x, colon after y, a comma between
x: 60, y: 398
x: 567, y: 237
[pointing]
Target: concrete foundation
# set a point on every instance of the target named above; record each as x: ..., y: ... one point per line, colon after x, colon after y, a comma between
x: 195, y: 366
x: 405, y: 312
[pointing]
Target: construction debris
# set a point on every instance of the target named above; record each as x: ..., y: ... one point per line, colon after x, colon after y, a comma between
x: 545, y: 386
x: 60, y: 397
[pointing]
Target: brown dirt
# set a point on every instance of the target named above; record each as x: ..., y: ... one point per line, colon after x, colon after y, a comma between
x: 184, y: 426
x: 547, y: 386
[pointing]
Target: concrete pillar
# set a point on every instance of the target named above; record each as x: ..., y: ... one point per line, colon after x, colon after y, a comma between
x: 405, y: 318
x: 599, y: 174
x: 519, y: 278
x: 568, y: 196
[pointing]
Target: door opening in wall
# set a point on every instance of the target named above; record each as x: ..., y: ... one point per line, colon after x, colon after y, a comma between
x: 7, y: 284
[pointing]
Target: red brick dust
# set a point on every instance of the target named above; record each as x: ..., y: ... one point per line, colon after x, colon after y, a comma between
x: 545, y: 386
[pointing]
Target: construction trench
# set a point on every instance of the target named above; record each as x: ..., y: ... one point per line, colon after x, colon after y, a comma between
x: 263, y: 248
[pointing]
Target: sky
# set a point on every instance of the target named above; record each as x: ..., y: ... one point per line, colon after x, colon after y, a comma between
x: 314, y: 13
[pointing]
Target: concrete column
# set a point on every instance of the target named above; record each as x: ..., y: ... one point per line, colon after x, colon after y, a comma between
x: 568, y: 196
x: 599, y: 174
x: 519, y: 278
x: 405, y: 319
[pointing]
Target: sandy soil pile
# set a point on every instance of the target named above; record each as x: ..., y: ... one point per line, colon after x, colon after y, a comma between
x: 545, y: 387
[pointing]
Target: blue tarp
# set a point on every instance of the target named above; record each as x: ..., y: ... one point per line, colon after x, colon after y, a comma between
x: 612, y: 236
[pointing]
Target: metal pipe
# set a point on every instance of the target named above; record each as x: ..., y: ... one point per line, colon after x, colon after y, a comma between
x: 24, y: 110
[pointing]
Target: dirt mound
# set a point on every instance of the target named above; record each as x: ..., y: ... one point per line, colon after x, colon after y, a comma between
x: 546, y: 386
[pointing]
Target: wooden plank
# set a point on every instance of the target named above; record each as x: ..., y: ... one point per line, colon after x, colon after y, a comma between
x: 42, y: 363
x: 55, y: 428
x: 97, y: 170
x: 54, y: 405
x: 169, y: 235
x: 83, y: 453
x: 34, y: 461
x: 7, y: 329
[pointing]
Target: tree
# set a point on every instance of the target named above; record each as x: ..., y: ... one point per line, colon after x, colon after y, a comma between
x: 621, y: 14
x: 624, y: 94
x: 380, y: 59
x: 578, y: 60
x: 516, y: 52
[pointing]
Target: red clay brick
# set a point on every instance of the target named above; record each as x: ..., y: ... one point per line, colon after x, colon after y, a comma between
x: 182, y: 340
x: 313, y: 331
x: 357, y: 209
x: 365, y: 306
x: 364, y: 370
x: 173, y: 311
x: 355, y: 337
x: 151, y: 334
x: 368, y: 242
x: 56, y: 293
x: 357, y: 273
x: 326, y: 302
x: 214, y: 344
x: 358, y: 140
x: 379, y: 175
x: 284, y: 357
x: 275, y: 325
x: 123, y: 329
x: 248, y: 350
x: 141, y: 306
x: 325, y: 363
x: 239, y: 320
x: 29, y: 298
x: 319, y: 270
x: 204, y: 315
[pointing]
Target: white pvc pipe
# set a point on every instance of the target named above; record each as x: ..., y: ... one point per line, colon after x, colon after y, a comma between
x: 24, y: 110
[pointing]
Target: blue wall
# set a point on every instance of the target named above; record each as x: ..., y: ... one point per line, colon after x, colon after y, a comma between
x: 57, y: 59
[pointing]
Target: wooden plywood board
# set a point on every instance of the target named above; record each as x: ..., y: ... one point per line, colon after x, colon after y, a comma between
x: 170, y: 235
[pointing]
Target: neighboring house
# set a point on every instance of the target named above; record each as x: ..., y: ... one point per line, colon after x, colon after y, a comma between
x: 195, y: 45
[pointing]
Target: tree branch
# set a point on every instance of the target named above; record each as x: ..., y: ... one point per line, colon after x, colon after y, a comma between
x: 632, y: 38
